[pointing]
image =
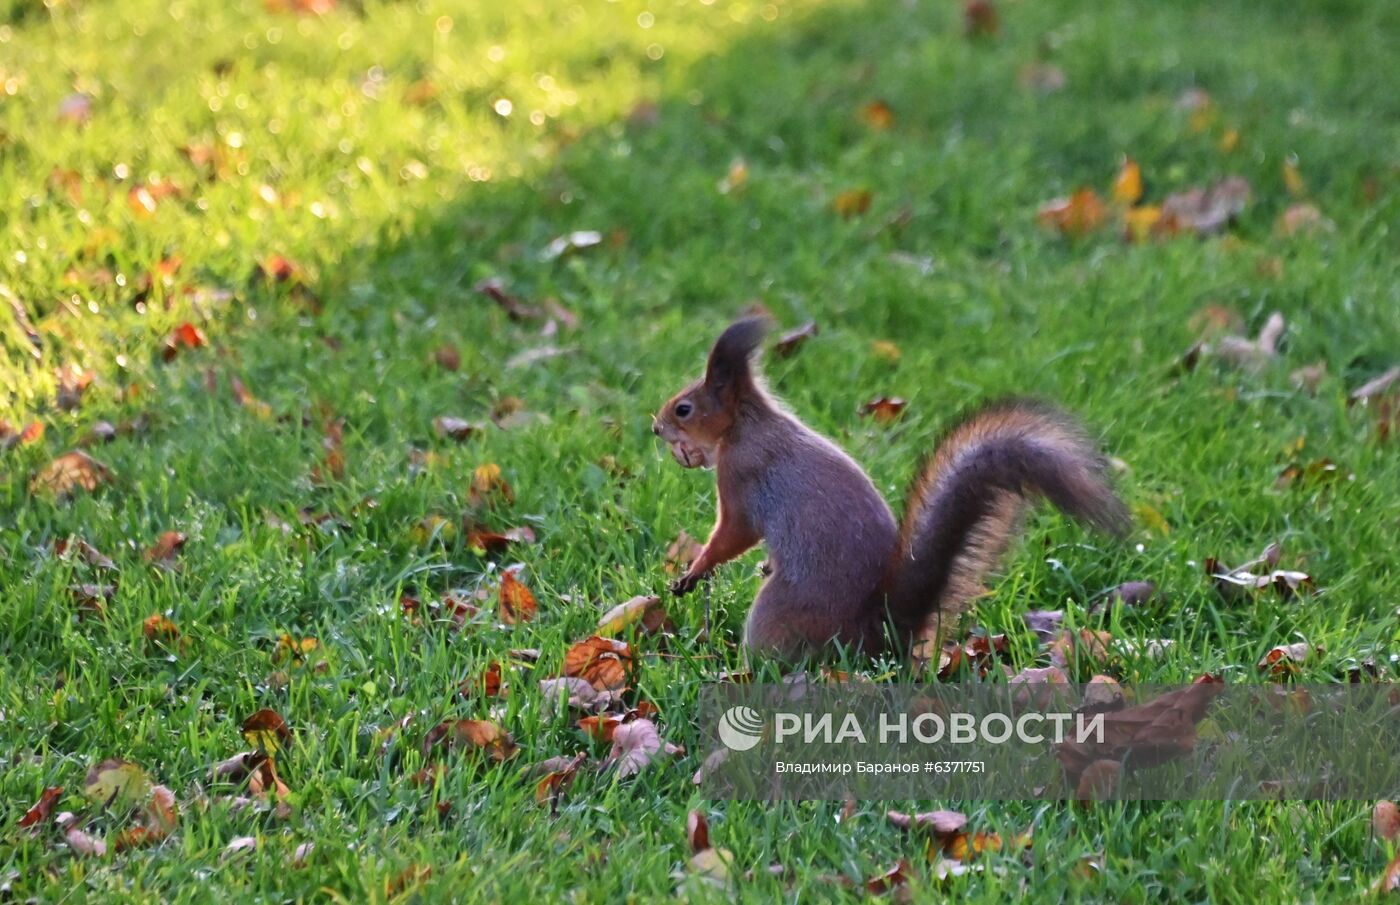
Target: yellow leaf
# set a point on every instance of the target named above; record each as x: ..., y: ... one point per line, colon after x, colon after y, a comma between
x: 1151, y: 519
x: 1292, y: 179
x: 886, y: 350
x: 1230, y: 140
x: 1127, y: 185
x: 877, y: 115
x: 852, y: 202
x: 1138, y: 222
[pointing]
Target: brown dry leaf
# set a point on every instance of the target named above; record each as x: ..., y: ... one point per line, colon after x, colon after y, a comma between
x: 645, y: 610
x: 1309, y: 377
x: 458, y: 429
x: 447, y: 357
x: 1079, y: 214
x: 852, y: 202
x: 980, y: 18
x: 605, y: 663
x: 697, y: 831
x: 899, y: 874
x: 1285, y: 659
x: 1127, y: 185
x: 792, y: 340
x: 877, y: 115
x: 559, y: 775
x: 185, y: 336
x: 683, y: 551
x: 11, y: 437
x: 266, y: 730
x: 485, y: 541
x: 1377, y: 386
x: 159, y: 628
x: 166, y: 548
x: 1299, y: 219
x: 39, y: 812
x: 479, y: 735
x: 884, y: 409
x: 487, y: 683
x: 1085, y: 646
x: 92, y: 599
x: 1152, y: 733
x: 1204, y: 211
x: 74, y: 470
x: 84, y: 550
x: 517, y: 603
x: 487, y: 483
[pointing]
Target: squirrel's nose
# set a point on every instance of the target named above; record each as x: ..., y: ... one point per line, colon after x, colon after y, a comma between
x: 655, y: 427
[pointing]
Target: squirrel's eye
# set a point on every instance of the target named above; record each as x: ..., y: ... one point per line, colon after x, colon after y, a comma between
x: 683, y: 410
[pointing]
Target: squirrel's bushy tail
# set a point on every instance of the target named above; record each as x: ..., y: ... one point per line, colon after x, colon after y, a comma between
x: 967, y: 501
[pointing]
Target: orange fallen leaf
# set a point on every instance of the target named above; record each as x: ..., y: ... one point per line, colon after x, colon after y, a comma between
x: 877, y: 115
x: 853, y: 202
x: 479, y: 735
x: 72, y: 471
x: 517, y: 603
x: 266, y: 730
x: 1079, y: 214
x: 884, y: 409
x: 792, y: 340
x: 39, y: 812
x: 185, y: 336
x: 1127, y: 185
x: 605, y: 663
x: 487, y: 482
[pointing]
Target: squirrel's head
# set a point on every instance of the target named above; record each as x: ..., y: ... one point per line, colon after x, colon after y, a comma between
x: 696, y: 419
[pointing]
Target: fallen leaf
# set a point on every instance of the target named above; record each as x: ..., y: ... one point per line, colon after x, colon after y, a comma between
x: 166, y: 547
x: 487, y: 683
x: 792, y: 340
x: 1390, y: 880
x: 1377, y: 386
x: 72, y: 471
x: 1205, y: 211
x: 1127, y: 185
x: 1043, y: 78
x: 159, y: 628
x: 1045, y: 623
x: 605, y: 663
x: 240, y: 845
x: 852, y: 202
x: 1079, y: 214
x: 447, y: 357
x: 559, y: 776
x: 884, y: 409
x: 457, y: 429
x: 646, y: 610
x: 303, y: 854
x: 479, y: 735
x: 899, y: 874
x: 634, y: 747
x: 1285, y: 659
x: 697, y: 831
x: 488, y: 483
x: 1099, y: 781
x: 683, y: 551
x: 942, y: 823
x: 1299, y: 219
x: 484, y: 541
x: 517, y: 603
x: 84, y: 844
x: 10, y: 437
x: 266, y: 730
x: 39, y: 812
x: 980, y: 18
x: 877, y: 115
x: 885, y: 350
x: 117, y: 784
x: 735, y: 178
x: 573, y: 692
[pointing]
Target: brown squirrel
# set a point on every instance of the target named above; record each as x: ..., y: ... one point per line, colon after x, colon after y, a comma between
x: 839, y: 567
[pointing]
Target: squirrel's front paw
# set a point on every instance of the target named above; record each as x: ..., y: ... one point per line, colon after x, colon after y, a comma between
x: 686, y: 583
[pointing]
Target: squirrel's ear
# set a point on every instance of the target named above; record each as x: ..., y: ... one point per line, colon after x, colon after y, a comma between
x: 728, y: 369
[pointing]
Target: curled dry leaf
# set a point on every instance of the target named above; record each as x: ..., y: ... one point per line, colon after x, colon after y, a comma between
x: 474, y: 735
x: 92, y: 599
x: 458, y: 429
x: 1086, y: 645
x: 266, y: 731
x: 83, y: 844
x: 240, y: 845
x: 559, y: 775
x: 10, y: 436
x: 645, y: 610
x: 516, y: 602
x: 185, y: 336
x: 1103, y: 693
x: 573, y: 692
x: 74, y: 470
x: 1204, y: 211
x: 166, y: 547
x: 486, y: 541
x: 157, y: 627
x: 635, y: 745
x: 116, y: 784
x: 792, y: 340
x: 697, y: 831
x: 489, y: 484
x: 605, y: 663
x: 1285, y: 659
x: 899, y: 874
x: 487, y: 682
x: 38, y: 813
x: 1377, y: 386
x: 884, y: 409
x: 84, y: 551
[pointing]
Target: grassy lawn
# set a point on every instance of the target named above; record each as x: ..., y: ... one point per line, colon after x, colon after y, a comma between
x: 321, y: 194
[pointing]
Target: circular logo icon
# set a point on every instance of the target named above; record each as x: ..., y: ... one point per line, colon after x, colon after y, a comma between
x: 740, y: 728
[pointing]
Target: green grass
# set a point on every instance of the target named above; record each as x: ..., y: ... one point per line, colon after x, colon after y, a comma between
x: 396, y: 206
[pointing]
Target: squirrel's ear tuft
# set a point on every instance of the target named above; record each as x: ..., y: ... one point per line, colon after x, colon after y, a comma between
x: 728, y: 370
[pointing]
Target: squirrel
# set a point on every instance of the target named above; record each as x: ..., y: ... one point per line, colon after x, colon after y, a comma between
x: 840, y: 568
